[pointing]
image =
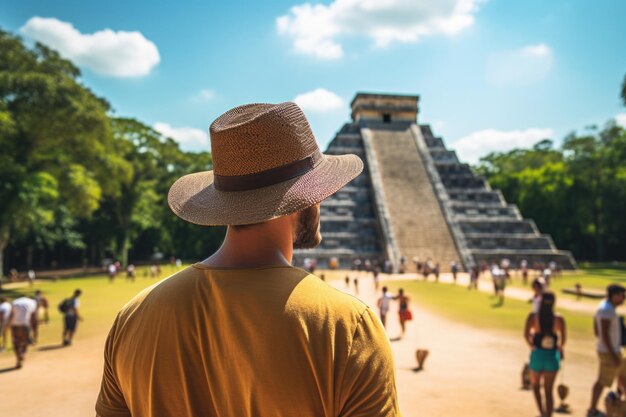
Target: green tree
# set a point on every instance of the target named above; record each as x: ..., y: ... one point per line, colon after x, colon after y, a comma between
x: 54, y: 134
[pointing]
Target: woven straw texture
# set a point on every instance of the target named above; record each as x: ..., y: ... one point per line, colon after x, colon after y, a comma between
x: 251, y: 139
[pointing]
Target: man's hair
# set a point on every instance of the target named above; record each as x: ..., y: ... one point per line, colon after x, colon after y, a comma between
x: 384, y: 289
x: 2, y: 299
x: 613, y: 289
x: 37, y: 292
x: 77, y: 292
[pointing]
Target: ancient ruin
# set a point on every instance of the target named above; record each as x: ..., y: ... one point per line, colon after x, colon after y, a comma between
x: 416, y: 199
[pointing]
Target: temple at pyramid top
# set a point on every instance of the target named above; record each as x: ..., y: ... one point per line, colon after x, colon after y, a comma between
x: 415, y: 199
x: 385, y: 108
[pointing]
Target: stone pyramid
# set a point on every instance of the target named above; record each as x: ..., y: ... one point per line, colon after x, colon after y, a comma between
x: 415, y: 199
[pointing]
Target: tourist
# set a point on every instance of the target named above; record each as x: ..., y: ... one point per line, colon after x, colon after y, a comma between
x: 5, y: 313
x: 43, y: 303
x: 347, y: 281
x: 130, y: 272
x: 23, y: 315
x: 546, y: 335
x: 402, y: 264
x: 243, y: 332
x: 538, y: 286
x: 608, y: 331
x: 499, y: 282
x: 547, y: 275
x: 404, y: 314
x: 69, y: 308
x: 474, y: 271
x: 112, y: 271
x: 454, y: 268
x: 31, y: 277
x: 436, y: 271
x: 356, y: 285
x: 383, y: 306
x: 524, y: 268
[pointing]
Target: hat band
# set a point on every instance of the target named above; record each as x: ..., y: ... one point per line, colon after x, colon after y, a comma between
x: 264, y: 178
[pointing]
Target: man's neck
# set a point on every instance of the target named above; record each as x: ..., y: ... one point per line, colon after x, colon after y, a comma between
x: 266, y: 244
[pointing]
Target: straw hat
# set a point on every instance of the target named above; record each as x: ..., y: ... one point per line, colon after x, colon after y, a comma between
x: 266, y: 164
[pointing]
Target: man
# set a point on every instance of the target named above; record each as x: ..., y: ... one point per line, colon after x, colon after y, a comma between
x: 5, y: 313
x: 383, y: 306
x: 69, y: 308
x: 243, y: 333
x: 23, y: 318
x: 608, y: 331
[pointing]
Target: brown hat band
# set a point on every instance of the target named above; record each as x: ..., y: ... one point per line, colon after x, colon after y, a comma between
x: 265, y: 178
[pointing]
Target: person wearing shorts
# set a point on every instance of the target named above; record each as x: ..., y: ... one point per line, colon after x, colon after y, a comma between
x: 608, y: 330
x: 404, y: 314
x: 70, y: 319
x: 383, y: 306
x: 546, y: 335
x: 23, y: 315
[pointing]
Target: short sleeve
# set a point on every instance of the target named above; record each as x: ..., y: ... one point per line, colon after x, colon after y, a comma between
x: 111, y: 402
x: 76, y: 303
x: 606, y: 313
x: 369, y: 387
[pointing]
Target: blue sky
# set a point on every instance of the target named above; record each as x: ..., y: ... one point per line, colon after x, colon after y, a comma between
x: 492, y: 75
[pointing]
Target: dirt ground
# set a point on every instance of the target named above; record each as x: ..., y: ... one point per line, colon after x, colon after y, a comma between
x: 470, y: 372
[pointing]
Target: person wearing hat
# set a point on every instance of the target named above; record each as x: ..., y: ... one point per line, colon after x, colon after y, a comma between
x: 243, y: 333
x: 608, y: 331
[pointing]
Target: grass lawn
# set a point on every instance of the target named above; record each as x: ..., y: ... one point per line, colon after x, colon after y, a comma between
x: 592, y: 277
x: 99, y: 302
x: 481, y: 309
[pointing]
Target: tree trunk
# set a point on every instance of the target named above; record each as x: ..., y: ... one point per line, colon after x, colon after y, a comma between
x: 4, y: 241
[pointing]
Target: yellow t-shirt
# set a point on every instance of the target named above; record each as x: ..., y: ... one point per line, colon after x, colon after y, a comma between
x: 272, y: 341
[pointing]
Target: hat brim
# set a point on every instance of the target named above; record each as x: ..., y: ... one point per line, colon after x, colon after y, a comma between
x: 194, y: 198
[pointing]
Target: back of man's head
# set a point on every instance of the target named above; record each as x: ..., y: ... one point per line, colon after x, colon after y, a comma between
x: 77, y: 292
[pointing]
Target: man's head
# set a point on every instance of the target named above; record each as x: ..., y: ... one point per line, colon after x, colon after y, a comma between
x: 384, y: 290
x: 38, y: 293
x: 77, y: 293
x: 267, y: 165
x: 615, y: 294
x: 401, y: 292
x: 2, y: 299
x: 538, y: 285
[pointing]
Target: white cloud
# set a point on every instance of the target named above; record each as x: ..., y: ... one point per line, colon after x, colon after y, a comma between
x: 620, y: 119
x: 189, y: 138
x: 203, y: 96
x: 315, y: 28
x: 319, y: 100
x: 471, y: 147
x: 522, y: 66
x: 117, y: 54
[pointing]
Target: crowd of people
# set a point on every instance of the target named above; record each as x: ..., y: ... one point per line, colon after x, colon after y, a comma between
x: 21, y: 317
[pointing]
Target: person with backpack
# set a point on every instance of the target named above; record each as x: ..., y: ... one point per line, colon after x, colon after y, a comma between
x: 545, y: 333
x: 69, y: 309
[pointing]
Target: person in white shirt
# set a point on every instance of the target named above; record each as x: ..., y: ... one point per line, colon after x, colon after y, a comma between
x: 383, y: 305
x: 608, y: 330
x: 5, y: 313
x: 23, y: 316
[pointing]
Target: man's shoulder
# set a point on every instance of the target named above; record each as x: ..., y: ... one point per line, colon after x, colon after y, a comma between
x: 606, y: 310
x: 179, y: 284
x: 316, y: 297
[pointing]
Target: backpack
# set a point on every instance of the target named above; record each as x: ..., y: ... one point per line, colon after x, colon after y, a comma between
x: 65, y: 305
x: 623, y: 330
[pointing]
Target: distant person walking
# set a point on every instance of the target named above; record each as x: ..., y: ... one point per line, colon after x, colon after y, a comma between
x: 23, y: 315
x: 538, y: 286
x: 43, y: 303
x: 5, y: 313
x: 545, y: 332
x: 454, y: 268
x: 69, y: 309
x: 474, y: 271
x: 383, y: 306
x: 608, y: 331
x: 112, y: 271
x: 404, y: 314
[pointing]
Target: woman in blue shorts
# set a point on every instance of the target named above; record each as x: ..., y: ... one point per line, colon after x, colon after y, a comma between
x: 545, y: 334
